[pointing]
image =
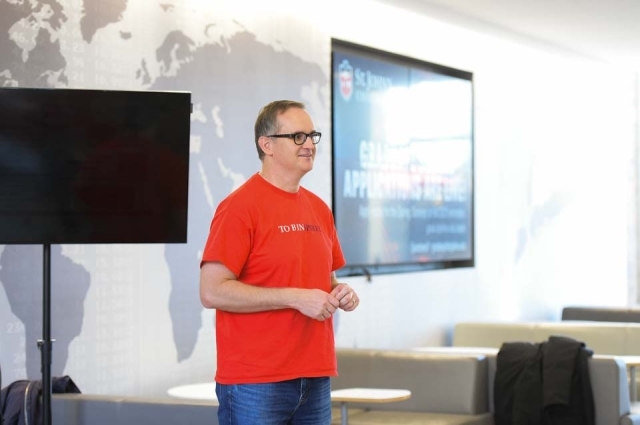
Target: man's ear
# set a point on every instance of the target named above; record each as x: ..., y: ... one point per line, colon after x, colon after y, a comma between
x: 265, y: 144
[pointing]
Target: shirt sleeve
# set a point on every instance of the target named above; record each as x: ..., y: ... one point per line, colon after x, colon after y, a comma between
x: 229, y: 240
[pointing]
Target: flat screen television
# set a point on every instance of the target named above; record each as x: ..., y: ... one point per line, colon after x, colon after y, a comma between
x: 402, y: 162
x: 93, y: 166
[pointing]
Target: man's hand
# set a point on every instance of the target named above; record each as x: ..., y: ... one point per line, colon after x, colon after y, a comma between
x: 347, y: 297
x: 317, y: 304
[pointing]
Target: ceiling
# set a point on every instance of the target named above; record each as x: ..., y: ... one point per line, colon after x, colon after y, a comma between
x: 607, y: 30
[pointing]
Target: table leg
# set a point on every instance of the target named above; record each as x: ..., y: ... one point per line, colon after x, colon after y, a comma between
x: 633, y: 386
x: 343, y: 413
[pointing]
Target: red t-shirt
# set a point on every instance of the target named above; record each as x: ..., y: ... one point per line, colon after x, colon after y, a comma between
x: 272, y: 238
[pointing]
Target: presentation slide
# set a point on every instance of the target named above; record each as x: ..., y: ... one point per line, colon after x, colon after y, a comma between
x: 403, y: 160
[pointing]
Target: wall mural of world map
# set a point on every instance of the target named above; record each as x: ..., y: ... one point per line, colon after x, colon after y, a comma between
x: 121, y: 314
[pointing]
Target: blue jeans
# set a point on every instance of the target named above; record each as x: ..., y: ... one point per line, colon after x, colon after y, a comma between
x: 301, y: 401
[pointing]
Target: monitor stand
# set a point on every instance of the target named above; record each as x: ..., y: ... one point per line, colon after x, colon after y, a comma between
x: 45, y: 344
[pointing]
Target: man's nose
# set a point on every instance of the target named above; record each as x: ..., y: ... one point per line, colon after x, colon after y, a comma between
x: 308, y: 142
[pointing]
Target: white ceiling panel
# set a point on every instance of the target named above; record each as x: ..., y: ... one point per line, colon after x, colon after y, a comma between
x: 608, y: 30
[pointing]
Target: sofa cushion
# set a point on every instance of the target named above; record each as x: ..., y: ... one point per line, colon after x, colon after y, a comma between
x: 602, y: 337
x: 438, y: 383
x: 601, y: 314
x: 608, y: 377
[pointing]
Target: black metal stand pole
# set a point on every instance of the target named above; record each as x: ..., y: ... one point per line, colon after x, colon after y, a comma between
x: 45, y: 343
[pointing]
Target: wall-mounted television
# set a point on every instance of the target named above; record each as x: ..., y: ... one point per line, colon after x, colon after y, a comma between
x: 402, y: 167
x: 93, y: 166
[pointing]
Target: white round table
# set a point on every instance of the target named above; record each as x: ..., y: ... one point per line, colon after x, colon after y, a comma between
x: 366, y: 395
x: 203, y: 391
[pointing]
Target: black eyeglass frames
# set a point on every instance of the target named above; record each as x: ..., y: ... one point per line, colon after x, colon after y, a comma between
x: 300, y: 137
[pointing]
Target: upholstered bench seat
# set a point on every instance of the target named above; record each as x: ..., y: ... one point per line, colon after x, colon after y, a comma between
x: 445, y: 389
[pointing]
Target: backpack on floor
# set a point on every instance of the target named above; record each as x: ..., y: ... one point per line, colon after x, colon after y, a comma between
x: 21, y: 401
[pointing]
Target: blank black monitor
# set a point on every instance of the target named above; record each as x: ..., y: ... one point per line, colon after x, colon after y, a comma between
x: 93, y: 166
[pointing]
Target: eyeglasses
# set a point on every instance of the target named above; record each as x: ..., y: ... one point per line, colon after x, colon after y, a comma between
x: 300, y: 137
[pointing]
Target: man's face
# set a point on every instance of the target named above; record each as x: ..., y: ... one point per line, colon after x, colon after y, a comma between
x: 288, y: 156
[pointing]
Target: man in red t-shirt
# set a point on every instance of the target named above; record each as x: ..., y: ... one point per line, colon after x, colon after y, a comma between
x: 268, y: 270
